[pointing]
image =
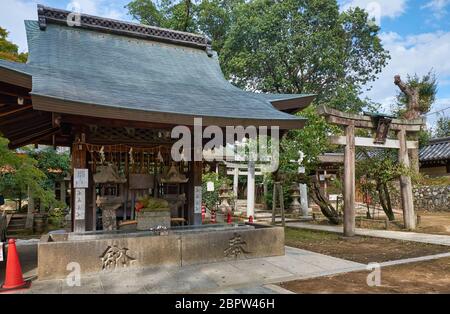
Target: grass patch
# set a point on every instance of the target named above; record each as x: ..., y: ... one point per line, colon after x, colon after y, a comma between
x: 293, y: 235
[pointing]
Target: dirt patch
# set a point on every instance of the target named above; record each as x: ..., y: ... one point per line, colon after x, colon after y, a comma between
x: 359, y: 249
x: 424, y: 277
x: 434, y: 222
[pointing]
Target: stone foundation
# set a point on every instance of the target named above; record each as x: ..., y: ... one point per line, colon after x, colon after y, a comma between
x: 97, y: 252
x: 432, y: 198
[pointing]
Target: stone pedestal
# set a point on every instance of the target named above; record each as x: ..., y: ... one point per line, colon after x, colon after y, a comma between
x: 109, y: 219
x: 295, y: 194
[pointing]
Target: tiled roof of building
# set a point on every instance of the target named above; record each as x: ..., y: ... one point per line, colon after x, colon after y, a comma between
x: 437, y: 149
x: 122, y: 70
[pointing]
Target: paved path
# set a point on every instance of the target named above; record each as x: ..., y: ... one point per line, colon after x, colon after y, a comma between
x: 242, y: 276
x: 398, y: 235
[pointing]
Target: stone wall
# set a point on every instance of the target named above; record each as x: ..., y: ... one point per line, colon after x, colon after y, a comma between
x: 432, y: 198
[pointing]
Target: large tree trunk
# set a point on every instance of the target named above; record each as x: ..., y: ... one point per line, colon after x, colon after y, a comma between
x: 385, y: 200
x: 325, y: 206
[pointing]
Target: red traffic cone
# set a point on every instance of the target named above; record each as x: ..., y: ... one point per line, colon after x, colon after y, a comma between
x: 13, y: 278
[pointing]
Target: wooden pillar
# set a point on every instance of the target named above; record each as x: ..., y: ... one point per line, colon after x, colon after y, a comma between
x: 78, y: 162
x: 405, y: 184
x: 251, y: 189
x: 349, y: 182
x: 194, y: 190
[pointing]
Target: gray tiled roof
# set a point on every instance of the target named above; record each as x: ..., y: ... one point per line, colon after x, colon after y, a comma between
x: 115, y: 71
x: 437, y: 149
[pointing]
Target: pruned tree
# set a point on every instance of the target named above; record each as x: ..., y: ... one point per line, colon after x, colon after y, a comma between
x: 417, y: 95
x: 415, y: 98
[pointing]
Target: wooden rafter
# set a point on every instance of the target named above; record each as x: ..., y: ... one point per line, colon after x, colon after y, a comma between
x: 16, y: 109
x: 30, y: 139
x: 12, y: 90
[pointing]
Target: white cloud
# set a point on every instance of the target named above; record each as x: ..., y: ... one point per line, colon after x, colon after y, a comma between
x: 95, y: 7
x: 437, y: 7
x: 12, y: 15
x: 14, y: 12
x: 377, y: 8
x: 413, y: 54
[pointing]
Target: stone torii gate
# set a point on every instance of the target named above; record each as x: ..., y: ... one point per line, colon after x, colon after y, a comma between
x: 381, y: 125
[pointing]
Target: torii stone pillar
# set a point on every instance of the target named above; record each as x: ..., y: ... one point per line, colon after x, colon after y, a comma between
x: 405, y: 183
x: 349, y: 182
x: 251, y: 189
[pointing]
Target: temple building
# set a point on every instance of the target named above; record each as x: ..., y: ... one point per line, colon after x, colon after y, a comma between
x: 434, y: 158
x: 112, y: 91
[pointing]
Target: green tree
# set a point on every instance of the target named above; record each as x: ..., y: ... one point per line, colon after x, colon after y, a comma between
x: 20, y: 172
x: 10, y: 51
x: 53, y: 164
x: 377, y: 170
x: 312, y: 141
x: 177, y: 15
x: 296, y: 46
x: 442, y: 127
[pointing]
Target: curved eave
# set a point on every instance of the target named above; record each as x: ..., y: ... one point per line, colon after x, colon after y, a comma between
x: 15, y: 74
x: 290, y: 103
x: 45, y: 103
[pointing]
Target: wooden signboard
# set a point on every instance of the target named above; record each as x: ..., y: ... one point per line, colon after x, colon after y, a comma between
x: 80, y: 204
x: 80, y: 178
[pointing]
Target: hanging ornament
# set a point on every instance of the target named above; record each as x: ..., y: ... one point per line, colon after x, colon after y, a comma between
x: 131, y: 156
x: 102, y: 155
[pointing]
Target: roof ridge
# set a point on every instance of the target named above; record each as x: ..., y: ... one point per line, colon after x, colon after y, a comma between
x: 47, y: 15
x: 440, y: 140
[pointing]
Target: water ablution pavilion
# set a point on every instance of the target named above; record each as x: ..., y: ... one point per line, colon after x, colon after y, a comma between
x: 112, y: 91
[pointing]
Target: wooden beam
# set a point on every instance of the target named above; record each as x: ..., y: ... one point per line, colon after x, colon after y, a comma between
x: 29, y: 130
x: 22, y: 118
x: 349, y: 182
x: 406, y: 185
x: 32, y: 138
x: 368, y: 142
x: 5, y: 113
x: 13, y: 90
x: 115, y: 123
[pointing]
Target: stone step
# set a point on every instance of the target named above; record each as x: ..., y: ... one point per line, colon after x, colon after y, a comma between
x: 263, y: 215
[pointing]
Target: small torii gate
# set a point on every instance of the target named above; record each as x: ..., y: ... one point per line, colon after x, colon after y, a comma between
x: 381, y: 125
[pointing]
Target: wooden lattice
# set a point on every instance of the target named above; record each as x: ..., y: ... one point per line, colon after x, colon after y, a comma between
x: 103, y: 134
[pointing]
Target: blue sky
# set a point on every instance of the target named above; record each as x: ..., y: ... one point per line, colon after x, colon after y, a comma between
x: 417, y: 34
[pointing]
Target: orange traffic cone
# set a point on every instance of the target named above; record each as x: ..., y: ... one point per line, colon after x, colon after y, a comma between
x: 13, y: 278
